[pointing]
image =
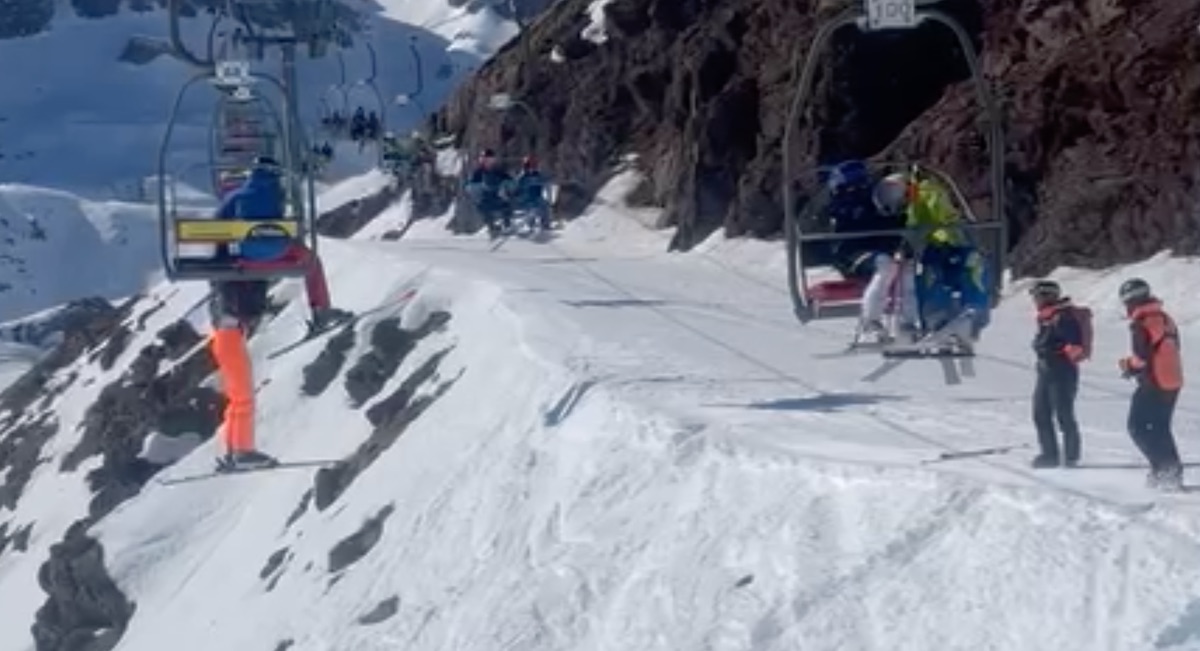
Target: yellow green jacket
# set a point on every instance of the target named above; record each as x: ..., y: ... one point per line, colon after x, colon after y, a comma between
x: 931, y: 207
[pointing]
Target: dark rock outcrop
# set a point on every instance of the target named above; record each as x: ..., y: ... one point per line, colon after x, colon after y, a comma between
x: 320, y: 373
x: 390, y: 345
x: 84, y: 608
x: 1103, y: 136
x: 28, y: 402
x: 141, y: 401
x: 1103, y: 129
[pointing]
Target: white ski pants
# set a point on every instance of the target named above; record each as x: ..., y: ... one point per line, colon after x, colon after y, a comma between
x: 893, y: 282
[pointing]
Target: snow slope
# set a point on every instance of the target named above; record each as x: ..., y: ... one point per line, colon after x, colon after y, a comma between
x: 630, y: 450
x: 56, y: 247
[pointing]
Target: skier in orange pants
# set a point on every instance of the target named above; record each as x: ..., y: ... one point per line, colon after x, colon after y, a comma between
x: 237, y: 307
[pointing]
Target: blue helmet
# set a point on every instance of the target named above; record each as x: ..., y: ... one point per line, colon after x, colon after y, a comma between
x: 846, y: 175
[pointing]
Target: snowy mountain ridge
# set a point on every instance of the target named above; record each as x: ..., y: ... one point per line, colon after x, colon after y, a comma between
x: 110, y: 116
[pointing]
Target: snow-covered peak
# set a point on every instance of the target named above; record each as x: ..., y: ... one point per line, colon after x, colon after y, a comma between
x: 83, y: 121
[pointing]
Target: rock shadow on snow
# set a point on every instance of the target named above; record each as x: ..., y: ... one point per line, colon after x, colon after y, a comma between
x: 616, y: 302
x: 390, y: 346
x: 390, y: 417
x: 383, y: 611
x: 824, y: 402
x: 357, y: 545
x: 322, y: 371
x: 566, y: 403
x: 18, y: 541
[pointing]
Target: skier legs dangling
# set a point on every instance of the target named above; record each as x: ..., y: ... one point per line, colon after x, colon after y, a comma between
x: 236, y: 308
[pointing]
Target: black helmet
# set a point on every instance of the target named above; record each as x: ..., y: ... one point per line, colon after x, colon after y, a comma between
x: 1135, y: 290
x: 267, y: 163
x: 1046, y: 290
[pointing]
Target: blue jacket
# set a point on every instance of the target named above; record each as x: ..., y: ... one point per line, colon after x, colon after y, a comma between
x: 485, y: 187
x: 260, y: 197
x: 531, y: 190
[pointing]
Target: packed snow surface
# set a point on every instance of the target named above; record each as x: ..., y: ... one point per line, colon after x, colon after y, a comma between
x: 637, y: 450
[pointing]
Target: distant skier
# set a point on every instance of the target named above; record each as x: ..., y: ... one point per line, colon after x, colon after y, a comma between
x: 237, y: 307
x: 1062, y: 342
x: 530, y: 192
x: 487, y: 186
x: 358, y: 124
x: 1155, y: 362
x: 373, y: 126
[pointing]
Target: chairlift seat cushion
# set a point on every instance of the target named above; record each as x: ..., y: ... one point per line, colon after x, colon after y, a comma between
x: 837, y: 291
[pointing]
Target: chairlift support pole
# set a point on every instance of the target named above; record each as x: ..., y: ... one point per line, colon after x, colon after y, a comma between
x: 806, y: 62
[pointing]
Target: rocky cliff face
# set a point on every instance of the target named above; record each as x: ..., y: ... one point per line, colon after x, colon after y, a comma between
x: 1099, y: 97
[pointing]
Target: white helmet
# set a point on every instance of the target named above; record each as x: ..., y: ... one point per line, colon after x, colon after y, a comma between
x: 891, y: 194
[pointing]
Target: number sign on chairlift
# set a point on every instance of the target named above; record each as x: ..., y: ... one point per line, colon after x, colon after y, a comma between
x: 233, y: 73
x: 891, y: 14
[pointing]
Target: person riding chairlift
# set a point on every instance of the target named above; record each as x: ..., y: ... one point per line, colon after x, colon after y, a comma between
x: 237, y: 307
x: 530, y: 192
x: 952, y: 290
x: 857, y: 203
x: 487, y: 186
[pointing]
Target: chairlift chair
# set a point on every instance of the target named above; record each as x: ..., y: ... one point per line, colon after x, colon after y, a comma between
x: 196, y: 245
x: 829, y: 299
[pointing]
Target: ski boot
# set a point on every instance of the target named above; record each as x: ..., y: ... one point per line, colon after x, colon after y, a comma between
x: 1168, y: 480
x: 325, y: 318
x: 1043, y: 461
x: 873, y: 332
x: 245, y: 460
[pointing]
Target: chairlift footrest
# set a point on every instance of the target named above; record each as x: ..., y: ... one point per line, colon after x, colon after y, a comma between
x: 930, y: 353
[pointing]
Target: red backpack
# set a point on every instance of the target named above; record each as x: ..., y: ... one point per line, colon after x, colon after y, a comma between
x: 1084, y: 316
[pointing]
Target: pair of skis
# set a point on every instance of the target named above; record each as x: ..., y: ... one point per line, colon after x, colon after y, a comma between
x: 224, y: 472
x: 402, y: 300
x: 949, y: 345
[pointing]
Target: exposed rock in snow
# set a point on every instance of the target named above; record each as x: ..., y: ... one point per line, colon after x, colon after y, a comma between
x: 85, y: 609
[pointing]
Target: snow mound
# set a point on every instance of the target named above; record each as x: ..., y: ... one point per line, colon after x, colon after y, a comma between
x: 56, y: 247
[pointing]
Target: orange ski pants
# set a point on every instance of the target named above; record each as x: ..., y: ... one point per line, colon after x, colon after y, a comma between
x: 237, y: 379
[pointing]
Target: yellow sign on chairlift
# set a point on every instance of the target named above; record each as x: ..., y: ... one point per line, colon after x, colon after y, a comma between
x: 224, y: 231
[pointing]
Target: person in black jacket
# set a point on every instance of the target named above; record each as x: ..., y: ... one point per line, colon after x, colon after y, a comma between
x: 1060, y: 346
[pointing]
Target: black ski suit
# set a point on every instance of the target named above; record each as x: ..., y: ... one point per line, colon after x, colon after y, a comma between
x: 1156, y: 364
x: 1058, y: 345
